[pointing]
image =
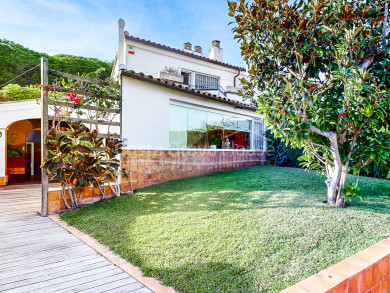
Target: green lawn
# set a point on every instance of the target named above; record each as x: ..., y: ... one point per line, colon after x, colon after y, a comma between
x: 259, y: 229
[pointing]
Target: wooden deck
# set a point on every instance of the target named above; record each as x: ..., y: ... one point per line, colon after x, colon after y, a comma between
x: 37, y: 255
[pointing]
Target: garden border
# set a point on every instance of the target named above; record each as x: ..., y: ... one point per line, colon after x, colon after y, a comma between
x: 363, y: 272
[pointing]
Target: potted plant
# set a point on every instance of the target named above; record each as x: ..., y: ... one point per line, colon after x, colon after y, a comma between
x: 171, y: 74
x: 214, y: 142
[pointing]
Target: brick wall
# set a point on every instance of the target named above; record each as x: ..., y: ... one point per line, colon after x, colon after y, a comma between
x: 153, y: 167
x: 365, y: 272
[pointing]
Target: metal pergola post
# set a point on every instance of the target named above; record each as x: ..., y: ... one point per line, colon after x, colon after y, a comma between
x: 44, y: 131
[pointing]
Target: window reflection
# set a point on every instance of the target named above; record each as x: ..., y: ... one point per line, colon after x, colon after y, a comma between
x: 193, y: 128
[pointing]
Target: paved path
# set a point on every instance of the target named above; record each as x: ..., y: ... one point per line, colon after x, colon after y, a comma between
x: 37, y: 255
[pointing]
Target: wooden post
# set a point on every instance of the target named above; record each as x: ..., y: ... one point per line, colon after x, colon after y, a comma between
x: 44, y: 130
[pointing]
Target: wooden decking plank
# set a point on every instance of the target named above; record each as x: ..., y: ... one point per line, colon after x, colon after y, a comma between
x: 112, y: 284
x: 47, y: 268
x: 36, y: 252
x: 36, y: 274
x: 33, y: 245
x: 65, y: 281
x: 141, y: 290
x: 42, y: 256
x: 24, y: 280
x: 46, y: 261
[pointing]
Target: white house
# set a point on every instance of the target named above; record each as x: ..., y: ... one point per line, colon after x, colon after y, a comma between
x: 182, y: 114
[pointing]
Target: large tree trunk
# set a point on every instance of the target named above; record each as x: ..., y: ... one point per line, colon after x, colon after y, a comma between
x: 336, y: 176
x: 335, y: 183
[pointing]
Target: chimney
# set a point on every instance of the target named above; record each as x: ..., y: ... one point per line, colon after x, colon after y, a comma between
x: 121, y: 45
x: 187, y: 47
x: 198, y: 49
x: 216, y: 52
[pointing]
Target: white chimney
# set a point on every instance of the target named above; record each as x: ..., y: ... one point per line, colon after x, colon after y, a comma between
x: 216, y: 52
x: 121, y: 45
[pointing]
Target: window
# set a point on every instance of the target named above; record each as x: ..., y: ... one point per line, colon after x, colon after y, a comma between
x: 206, y: 82
x: 258, y: 134
x: 193, y: 128
x: 186, y: 78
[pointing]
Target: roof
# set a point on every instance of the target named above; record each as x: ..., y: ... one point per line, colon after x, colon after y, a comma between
x: 167, y: 48
x: 168, y: 84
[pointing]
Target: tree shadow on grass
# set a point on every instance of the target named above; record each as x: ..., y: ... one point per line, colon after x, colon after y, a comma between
x: 205, y: 277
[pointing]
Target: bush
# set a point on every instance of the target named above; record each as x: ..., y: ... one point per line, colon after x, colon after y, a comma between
x: 4, y: 97
x: 17, y: 92
x: 278, y: 154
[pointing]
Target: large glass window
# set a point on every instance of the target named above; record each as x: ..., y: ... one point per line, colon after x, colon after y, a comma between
x: 193, y: 128
x: 258, y: 134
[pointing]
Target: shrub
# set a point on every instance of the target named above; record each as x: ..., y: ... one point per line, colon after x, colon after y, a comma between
x: 4, y: 97
x: 17, y: 92
x: 278, y: 154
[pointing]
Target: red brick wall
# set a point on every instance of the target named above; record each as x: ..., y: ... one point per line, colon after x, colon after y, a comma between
x: 365, y: 272
x: 152, y: 167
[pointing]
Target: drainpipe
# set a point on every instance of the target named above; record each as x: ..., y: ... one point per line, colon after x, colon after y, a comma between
x: 238, y: 73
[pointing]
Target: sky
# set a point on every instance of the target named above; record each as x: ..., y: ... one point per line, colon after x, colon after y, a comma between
x: 89, y: 27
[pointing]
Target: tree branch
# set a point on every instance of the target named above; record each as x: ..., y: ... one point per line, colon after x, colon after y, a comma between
x: 384, y: 30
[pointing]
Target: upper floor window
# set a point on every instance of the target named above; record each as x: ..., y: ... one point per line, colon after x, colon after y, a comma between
x: 186, y: 78
x: 206, y: 82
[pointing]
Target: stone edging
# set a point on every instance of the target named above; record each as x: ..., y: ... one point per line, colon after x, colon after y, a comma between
x: 152, y: 283
x: 363, y: 272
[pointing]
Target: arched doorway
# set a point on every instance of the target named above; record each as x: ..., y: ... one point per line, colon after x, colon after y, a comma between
x: 23, y: 151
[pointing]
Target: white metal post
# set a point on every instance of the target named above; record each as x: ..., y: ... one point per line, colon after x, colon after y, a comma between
x: 44, y: 131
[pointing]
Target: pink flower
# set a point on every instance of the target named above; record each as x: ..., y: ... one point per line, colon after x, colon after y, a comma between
x: 41, y: 85
x: 44, y: 92
x: 52, y: 88
x: 74, y: 98
x: 47, y: 86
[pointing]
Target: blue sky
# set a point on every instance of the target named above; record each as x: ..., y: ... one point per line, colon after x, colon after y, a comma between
x: 89, y: 27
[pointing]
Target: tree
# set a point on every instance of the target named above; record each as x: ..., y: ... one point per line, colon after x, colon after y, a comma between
x: 320, y: 72
x: 15, y: 60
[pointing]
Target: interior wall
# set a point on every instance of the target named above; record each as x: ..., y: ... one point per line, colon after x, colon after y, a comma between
x: 16, y: 141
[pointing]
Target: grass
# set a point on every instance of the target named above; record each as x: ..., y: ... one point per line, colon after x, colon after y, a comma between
x: 259, y: 229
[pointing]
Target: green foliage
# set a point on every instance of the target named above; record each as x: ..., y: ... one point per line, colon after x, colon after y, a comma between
x: 4, y: 97
x: 77, y: 159
x: 279, y: 154
x: 17, y: 92
x: 16, y: 59
x: 14, y: 153
x: 214, y: 140
x: 350, y: 191
x: 321, y: 69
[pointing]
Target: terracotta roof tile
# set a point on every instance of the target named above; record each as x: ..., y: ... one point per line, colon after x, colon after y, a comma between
x: 160, y: 46
x: 184, y: 89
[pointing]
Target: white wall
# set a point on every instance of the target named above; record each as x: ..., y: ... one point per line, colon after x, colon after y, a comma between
x: 146, y: 112
x: 151, y: 60
x: 11, y: 112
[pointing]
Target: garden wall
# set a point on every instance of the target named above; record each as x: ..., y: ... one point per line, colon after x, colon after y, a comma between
x: 152, y: 167
x: 366, y: 271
